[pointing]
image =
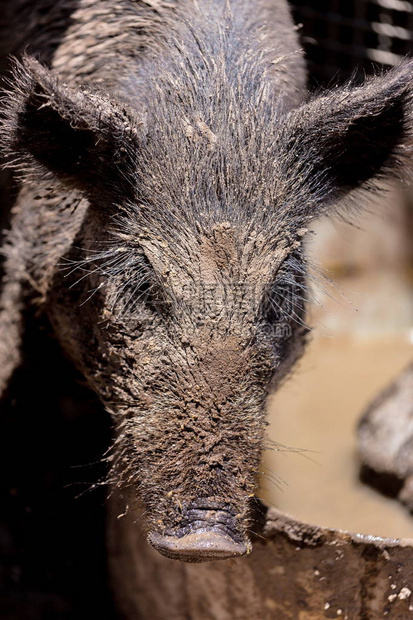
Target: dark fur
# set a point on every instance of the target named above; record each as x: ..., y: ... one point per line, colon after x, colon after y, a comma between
x: 168, y: 179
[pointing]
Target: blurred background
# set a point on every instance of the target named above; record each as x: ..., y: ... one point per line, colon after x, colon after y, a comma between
x: 52, y: 547
x: 362, y: 310
x: 343, y: 38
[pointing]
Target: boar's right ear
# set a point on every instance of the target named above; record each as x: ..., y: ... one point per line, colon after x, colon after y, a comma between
x: 85, y: 139
x: 351, y: 136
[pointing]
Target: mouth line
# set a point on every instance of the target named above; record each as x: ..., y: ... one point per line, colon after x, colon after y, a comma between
x: 207, y: 518
x: 203, y: 545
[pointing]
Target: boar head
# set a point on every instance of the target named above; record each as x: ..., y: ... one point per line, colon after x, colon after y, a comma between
x: 184, y: 300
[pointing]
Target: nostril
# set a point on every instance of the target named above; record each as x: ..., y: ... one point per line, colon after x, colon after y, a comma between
x: 200, y: 546
x: 202, y: 516
x: 205, y: 530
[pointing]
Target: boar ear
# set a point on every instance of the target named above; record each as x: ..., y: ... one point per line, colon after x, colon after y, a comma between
x: 354, y: 135
x: 83, y: 138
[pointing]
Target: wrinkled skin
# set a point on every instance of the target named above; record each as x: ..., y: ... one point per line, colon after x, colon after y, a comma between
x: 169, y: 177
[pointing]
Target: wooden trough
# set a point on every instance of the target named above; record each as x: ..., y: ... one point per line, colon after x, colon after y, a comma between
x: 296, y: 571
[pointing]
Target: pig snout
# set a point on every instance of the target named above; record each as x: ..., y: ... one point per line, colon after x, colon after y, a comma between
x: 204, y: 534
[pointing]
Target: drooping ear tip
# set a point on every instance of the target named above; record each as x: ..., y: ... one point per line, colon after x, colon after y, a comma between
x: 35, y: 72
x: 20, y: 82
x: 407, y: 65
x: 26, y: 74
x: 403, y: 73
x: 28, y: 79
x: 392, y: 90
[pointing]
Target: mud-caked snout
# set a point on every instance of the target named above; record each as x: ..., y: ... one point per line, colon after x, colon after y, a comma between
x: 205, y: 533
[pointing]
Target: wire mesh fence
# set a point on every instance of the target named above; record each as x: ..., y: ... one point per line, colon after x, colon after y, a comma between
x: 343, y: 38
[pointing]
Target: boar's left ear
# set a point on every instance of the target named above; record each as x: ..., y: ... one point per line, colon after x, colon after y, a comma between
x: 84, y: 139
x: 342, y: 140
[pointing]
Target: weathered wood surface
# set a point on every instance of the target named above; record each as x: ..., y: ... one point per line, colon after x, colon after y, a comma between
x: 295, y: 572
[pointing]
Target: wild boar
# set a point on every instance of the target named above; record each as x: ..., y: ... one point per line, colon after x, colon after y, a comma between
x: 170, y: 162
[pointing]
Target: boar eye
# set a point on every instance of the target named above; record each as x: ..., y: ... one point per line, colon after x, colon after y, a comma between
x: 285, y: 300
x: 134, y: 286
x: 142, y: 288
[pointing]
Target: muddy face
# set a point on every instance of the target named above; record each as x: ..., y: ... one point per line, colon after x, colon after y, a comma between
x: 181, y: 341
